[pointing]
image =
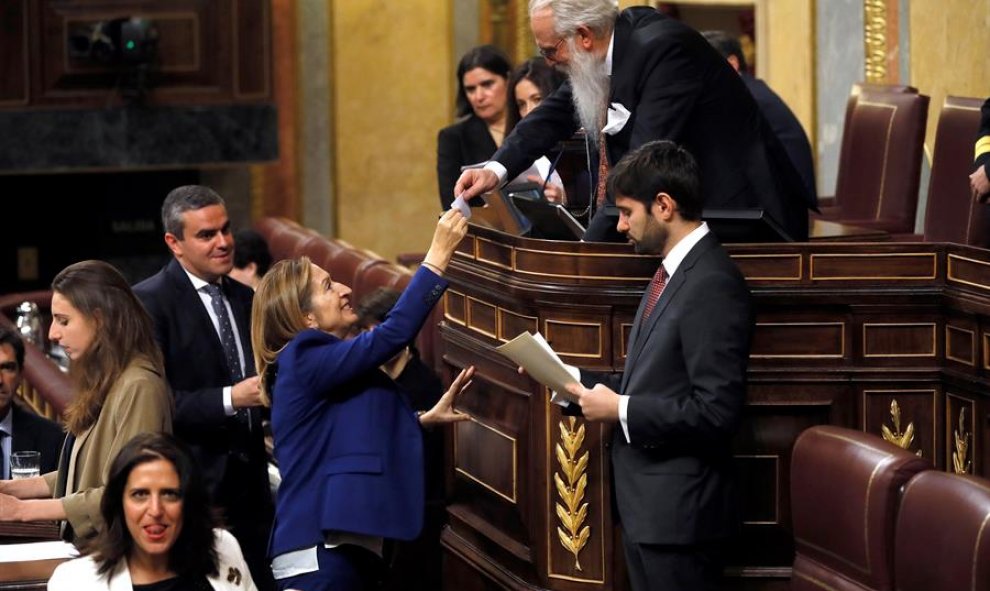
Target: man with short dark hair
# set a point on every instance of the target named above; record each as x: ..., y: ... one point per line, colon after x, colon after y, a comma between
x: 635, y: 76
x: 782, y: 120
x: 203, y: 325
x: 21, y: 429
x: 680, y: 398
x: 251, y: 257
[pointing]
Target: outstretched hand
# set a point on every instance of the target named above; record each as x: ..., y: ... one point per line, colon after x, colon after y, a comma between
x: 474, y: 182
x: 443, y: 411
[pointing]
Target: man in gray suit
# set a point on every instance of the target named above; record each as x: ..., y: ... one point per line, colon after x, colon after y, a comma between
x: 680, y: 398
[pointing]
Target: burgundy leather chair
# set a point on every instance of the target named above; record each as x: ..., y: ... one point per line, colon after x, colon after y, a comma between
x: 880, y: 158
x: 845, y: 486
x: 943, y: 533
x: 951, y: 214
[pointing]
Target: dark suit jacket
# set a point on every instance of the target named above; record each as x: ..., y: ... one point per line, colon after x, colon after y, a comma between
x: 197, y: 372
x: 33, y: 432
x: 685, y: 375
x: 677, y: 87
x: 465, y: 142
x: 787, y: 128
x: 348, y: 443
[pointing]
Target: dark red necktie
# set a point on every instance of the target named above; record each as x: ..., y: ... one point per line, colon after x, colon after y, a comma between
x: 654, y: 290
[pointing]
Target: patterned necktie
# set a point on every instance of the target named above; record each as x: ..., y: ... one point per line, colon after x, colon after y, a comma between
x: 226, y: 332
x: 602, y: 164
x: 655, y: 289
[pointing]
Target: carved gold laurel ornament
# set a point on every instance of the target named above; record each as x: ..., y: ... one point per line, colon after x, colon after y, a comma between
x: 572, y: 511
x: 901, y: 439
x: 960, y: 461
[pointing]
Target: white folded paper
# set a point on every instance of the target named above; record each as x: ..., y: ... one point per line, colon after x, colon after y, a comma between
x: 462, y: 205
x: 533, y: 353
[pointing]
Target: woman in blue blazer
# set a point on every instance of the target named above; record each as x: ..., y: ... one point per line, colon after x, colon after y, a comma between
x: 347, y: 441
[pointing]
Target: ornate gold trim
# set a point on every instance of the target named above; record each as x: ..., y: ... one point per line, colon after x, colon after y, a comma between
x: 949, y: 271
x: 972, y: 345
x: 800, y: 261
x: 930, y: 255
x: 867, y: 325
x: 961, y: 438
x: 515, y: 457
x: 840, y: 355
x: 573, y: 534
x: 902, y: 439
x: 875, y: 40
x: 546, y: 330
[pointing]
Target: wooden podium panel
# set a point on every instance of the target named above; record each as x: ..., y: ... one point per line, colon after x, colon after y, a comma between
x: 885, y: 337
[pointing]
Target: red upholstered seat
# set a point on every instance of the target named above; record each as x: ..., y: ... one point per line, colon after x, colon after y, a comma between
x: 943, y: 533
x: 880, y: 158
x: 844, y: 493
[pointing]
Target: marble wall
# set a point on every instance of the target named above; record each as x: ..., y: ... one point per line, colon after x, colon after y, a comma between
x: 392, y: 91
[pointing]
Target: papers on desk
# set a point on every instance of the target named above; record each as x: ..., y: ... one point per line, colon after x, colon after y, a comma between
x: 37, y: 551
x: 532, y: 352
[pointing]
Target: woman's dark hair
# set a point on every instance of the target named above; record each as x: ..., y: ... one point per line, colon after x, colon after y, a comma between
x: 488, y: 57
x: 193, y: 554
x: 544, y: 76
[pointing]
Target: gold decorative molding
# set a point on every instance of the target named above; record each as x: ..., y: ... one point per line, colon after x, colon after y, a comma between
x: 875, y: 40
x: 573, y: 512
x: 960, y: 461
x: 901, y: 439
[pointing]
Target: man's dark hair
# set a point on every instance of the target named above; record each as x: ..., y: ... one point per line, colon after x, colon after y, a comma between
x: 659, y: 167
x: 194, y: 553
x: 10, y: 337
x: 727, y: 45
x: 487, y: 57
x: 250, y: 247
x: 183, y: 199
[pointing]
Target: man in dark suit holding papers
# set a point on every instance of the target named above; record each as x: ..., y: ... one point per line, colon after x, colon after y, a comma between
x: 679, y: 400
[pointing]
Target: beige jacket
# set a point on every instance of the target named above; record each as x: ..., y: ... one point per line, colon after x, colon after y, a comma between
x: 139, y: 402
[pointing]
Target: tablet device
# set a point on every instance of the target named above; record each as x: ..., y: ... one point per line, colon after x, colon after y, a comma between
x: 549, y: 221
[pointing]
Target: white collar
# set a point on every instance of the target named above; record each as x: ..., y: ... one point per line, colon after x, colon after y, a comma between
x: 7, y: 424
x: 682, y: 248
x: 197, y: 282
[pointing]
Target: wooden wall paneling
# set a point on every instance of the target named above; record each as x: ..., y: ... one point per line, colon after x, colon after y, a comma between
x: 14, y: 53
x: 208, y: 52
x: 908, y: 417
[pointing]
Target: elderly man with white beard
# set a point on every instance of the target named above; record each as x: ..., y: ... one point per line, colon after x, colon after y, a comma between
x: 659, y: 79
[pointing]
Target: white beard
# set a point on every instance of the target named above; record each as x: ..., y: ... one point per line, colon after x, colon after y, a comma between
x: 590, y: 88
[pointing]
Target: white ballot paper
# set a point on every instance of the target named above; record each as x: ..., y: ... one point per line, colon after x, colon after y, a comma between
x: 532, y: 352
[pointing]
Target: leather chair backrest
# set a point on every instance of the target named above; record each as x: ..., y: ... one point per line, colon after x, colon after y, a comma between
x: 952, y: 215
x: 844, y: 493
x: 880, y: 156
x: 943, y: 533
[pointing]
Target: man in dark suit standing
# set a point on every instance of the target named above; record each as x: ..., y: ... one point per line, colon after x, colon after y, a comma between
x: 20, y: 429
x: 783, y: 122
x: 203, y: 325
x: 659, y: 79
x: 678, y: 402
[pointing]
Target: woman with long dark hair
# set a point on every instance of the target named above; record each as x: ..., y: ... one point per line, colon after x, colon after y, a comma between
x: 159, y: 533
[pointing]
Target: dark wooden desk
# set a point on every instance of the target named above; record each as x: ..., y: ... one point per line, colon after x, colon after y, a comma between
x: 27, y: 574
x: 876, y: 336
x: 827, y: 231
